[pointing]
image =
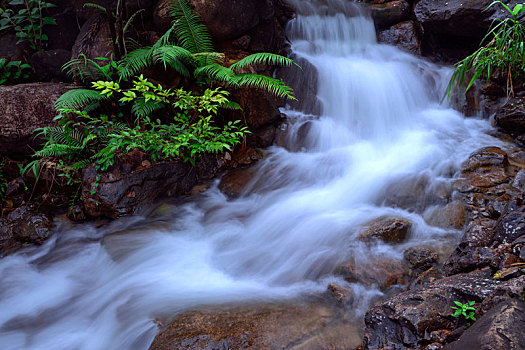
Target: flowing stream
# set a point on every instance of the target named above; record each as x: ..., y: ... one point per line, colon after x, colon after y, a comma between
x: 378, y: 129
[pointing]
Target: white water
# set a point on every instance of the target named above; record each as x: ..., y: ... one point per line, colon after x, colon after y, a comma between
x: 381, y: 124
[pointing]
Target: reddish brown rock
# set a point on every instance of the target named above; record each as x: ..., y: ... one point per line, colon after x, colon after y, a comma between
x: 403, y: 35
x: 234, y: 183
x: 387, y: 229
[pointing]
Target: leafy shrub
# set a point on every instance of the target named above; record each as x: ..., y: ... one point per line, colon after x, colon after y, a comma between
x: 466, y: 310
x: 13, y: 72
x: 28, y: 21
x: 80, y: 139
x: 502, y: 50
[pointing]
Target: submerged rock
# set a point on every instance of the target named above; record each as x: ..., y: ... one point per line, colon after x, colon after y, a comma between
x: 420, y: 258
x: 381, y: 272
x: 308, y: 326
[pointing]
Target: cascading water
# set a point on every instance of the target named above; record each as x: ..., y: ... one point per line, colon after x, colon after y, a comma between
x: 380, y: 130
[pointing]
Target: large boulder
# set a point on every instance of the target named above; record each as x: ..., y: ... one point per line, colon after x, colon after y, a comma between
x: 23, y: 108
x: 94, y: 39
x: 407, y: 319
x: 403, y: 35
x: 500, y: 328
x: 386, y: 14
x: 48, y: 64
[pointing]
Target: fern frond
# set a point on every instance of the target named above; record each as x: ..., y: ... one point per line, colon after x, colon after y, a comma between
x: 175, y: 57
x: 85, y: 69
x: 142, y: 108
x: 206, y: 58
x: 165, y: 39
x: 78, y: 99
x: 135, y: 61
x: 192, y: 34
x: 265, y: 58
x: 274, y: 86
x: 130, y: 20
x: 231, y: 105
x: 132, y: 44
x: 216, y: 72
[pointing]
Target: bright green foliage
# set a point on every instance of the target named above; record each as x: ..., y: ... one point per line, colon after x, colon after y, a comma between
x: 466, y: 310
x: 502, y: 50
x: 13, y: 72
x: 80, y: 139
x: 187, y: 49
x: 28, y: 22
x: 79, y: 99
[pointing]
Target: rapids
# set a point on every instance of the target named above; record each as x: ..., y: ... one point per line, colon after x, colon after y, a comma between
x: 379, y: 128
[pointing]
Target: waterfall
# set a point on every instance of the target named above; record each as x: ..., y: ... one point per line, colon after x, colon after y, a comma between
x: 379, y: 128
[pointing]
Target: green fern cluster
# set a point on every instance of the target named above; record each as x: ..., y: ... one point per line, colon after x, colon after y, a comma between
x: 187, y: 49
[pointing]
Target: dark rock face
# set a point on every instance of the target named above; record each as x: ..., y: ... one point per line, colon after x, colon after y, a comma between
x: 259, y: 108
x: 500, y: 328
x: 389, y: 230
x: 407, y: 319
x: 403, y: 35
x: 48, y: 64
x: 23, y: 226
x: 511, y: 119
x: 94, y: 39
x: 123, y: 190
x: 389, y: 13
x: 510, y: 227
x: 23, y: 108
x: 10, y: 50
x: 450, y: 17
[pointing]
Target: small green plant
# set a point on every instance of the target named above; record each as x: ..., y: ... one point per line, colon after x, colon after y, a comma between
x: 13, y: 72
x: 466, y: 310
x: 502, y: 50
x: 28, y: 21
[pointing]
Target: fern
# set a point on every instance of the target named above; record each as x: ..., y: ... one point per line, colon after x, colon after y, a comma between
x: 136, y: 61
x: 142, y: 108
x: 86, y: 69
x: 274, y: 86
x: 263, y: 58
x: 187, y: 26
x: 216, y: 72
x: 78, y: 99
x: 175, y: 57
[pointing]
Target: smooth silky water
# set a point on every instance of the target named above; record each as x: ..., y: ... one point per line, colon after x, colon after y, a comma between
x: 378, y: 127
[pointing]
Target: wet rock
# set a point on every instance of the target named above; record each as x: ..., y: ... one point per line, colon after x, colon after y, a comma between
x: 407, y: 319
x: 48, y: 64
x: 21, y: 227
x: 510, y: 227
x: 234, y: 183
x: 130, y: 186
x: 23, y: 108
x: 473, y: 249
x: 10, y: 50
x: 481, y: 180
x: 340, y: 293
x: 387, y: 229
x: 448, y: 17
x: 493, y: 157
x: 257, y: 327
x: 403, y: 35
x: 507, y: 290
x: 420, y: 258
x: 259, y: 108
x: 382, y: 272
x: 389, y: 13
x: 511, y: 119
x: 500, y: 328
x: 94, y: 39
